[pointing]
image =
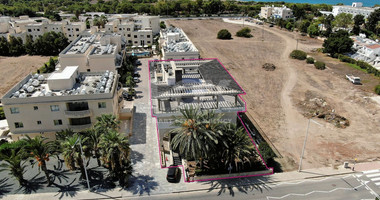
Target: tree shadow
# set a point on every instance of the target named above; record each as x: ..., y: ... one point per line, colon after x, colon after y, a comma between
x: 99, y: 181
x: 68, y: 190
x: 4, y: 186
x: 244, y: 185
x: 142, y: 184
x: 60, y: 175
x: 136, y: 157
x: 139, y: 129
x: 32, y: 185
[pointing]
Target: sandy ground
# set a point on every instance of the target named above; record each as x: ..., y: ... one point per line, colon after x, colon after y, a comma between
x: 273, y: 97
x: 13, y: 69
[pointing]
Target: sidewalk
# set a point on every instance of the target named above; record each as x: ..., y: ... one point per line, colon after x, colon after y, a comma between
x: 197, y: 186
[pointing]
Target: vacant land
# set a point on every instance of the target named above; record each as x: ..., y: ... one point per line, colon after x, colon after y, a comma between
x: 274, y: 98
x: 13, y: 69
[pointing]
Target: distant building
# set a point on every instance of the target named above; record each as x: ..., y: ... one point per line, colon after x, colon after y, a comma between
x: 367, y: 50
x: 276, y: 12
x: 93, y: 53
x: 356, y: 9
x: 47, y: 103
x: 176, y: 45
x: 203, y: 84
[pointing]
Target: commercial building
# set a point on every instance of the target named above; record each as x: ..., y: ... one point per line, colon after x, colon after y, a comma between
x: 68, y: 99
x: 93, y: 53
x: 276, y: 12
x: 356, y: 9
x: 176, y: 45
x: 203, y: 84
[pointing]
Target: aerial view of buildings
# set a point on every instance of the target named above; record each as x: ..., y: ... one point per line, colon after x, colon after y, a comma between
x: 204, y: 100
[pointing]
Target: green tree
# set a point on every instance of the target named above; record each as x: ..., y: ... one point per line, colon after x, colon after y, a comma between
x: 313, y: 30
x: 72, y: 154
x: 93, y: 139
x: 115, y: 154
x: 338, y: 42
x: 224, y: 34
x: 266, y: 152
x: 16, y: 46
x: 41, y: 151
x: 2, y: 115
x: 29, y: 45
x: 12, y: 156
x: 343, y: 20
x: 373, y: 20
x: 4, y: 46
x: 244, y: 32
x: 162, y: 25
x: 106, y: 122
x: 377, y: 89
x: 303, y: 25
x: 358, y: 21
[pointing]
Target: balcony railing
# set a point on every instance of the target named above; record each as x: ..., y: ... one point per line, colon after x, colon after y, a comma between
x: 77, y: 114
x: 79, y: 127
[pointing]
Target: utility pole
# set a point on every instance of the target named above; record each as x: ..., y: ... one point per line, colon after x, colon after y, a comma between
x: 304, y: 143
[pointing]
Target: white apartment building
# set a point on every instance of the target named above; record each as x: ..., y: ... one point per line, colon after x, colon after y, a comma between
x: 276, y: 12
x: 130, y: 35
x: 46, y: 103
x: 356, y: 9
x: 203, y: 84
x: 367, y: 50
x: 176, y: 45
x: 73, y: 29
x: 93, y: 53
x: 140, y: 22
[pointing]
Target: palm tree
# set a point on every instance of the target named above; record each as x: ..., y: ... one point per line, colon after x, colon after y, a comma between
x: 197, y: 133
x: 238, y: 146
x: 92, y: 140
x: 72, y: 154
x: 115, y: 154
x: 12, y: 160
x: 106, y: 122
x: 41, y: 150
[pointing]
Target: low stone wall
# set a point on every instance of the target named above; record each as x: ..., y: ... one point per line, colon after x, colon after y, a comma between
x: 221, y: 176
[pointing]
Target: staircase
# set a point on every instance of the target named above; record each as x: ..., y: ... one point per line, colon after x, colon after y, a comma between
x: 176, y: 159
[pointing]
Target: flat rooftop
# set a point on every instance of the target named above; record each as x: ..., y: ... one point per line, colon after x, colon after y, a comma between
x: 80, y: 45
x: 86, y: 84
x: 181, y: 43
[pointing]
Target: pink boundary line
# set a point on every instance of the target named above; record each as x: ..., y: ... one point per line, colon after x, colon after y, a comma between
x: 245, y: 107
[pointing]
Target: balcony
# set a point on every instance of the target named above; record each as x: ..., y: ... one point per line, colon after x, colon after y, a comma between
x: 78, y: 114
x: 79, y: 127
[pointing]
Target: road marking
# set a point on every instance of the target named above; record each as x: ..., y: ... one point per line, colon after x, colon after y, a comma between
x: 315, y: 191
x: 375, y: 179
x: 366, y: 186
x: 311, y: 180
x: 373, y: 175
x: 378, y: 183
x: 371, y: 171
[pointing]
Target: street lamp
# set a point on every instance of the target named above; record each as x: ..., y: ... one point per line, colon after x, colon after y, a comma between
x: 84, y: 159
x: 304, y: 143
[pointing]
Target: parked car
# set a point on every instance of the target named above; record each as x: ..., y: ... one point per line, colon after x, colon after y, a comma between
x: 136, y: 79
x: 138, y: 62
x: 127, y: 96
x: 353, y: 79
x: 271, y: 25
x: 174, y: 174
x: 136, y: 74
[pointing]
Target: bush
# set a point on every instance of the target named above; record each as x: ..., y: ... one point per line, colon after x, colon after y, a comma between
x: 298, y: 54
x: 162, y: 25
x: 244, y: 32
x: 346, y: 59
x: 377, y: 89
x: 224, y: 34
x: 320, y: 65
x: 266, y: 152
x: 310, y: 60
x: 2, y: 115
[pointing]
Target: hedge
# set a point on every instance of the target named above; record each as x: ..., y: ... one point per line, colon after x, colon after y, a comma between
x: 361, y: 64
x: 320, y: 65
x: 298, y: 54
x: 346, y: 59
x: 310, y: 60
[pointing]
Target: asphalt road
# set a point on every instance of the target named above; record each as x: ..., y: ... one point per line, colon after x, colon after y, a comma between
x: 334, y: 188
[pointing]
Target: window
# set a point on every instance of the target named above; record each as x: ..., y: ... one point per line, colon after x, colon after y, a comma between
x: 57, y: 122
x: 29, y: 30
x: 102, y: 105
x: 148, y: 36
x: 54, y: 108
x: 128, y: 29
x: 135, y: 36
x: 88, y: 70
x: 19, y: 125
x: 38, y: 122
x: 15, y: 110
x: 35, y: 107
x: 69, y: 35
x: 148, y: 42
x: 135, y: 42
x: 119, y: 29
x: 129, y: 35
x: 38, y: 29
x: 68, y: 29
x: 77, y: 29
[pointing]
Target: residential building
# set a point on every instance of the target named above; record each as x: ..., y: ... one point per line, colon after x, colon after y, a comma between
x: 203, y: 84
x: 42, y: 104
x: 367, y: 50
x: 176, y: 45
x: 129, y: 33
x: 93, y: 53
x: 276, y: 12
x: 73, y: 29
x: 356, y: 9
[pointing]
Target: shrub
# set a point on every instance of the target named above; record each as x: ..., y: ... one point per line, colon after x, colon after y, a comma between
x: 298, y: 54
x: 266, y: 152
x: 346, y: 59
x: 2, y: 115
x: 320, y: 65
x: 244, y: 32
x: 310, y: 60
x: 363, y: 64
x: 224, y: 34
x: 377, y: 89
x: 162, y: 25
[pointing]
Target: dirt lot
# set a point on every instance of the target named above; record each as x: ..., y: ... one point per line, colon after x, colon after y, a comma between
x: 274, y: 97
x: 13, y: 69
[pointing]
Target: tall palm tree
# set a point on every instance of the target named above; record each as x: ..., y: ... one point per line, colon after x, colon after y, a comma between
x: 72, y: 154
x: 41, y: 150
x: 13, y: 161
x: 238, y: 146
x: 115, y: 154
x: 92, y: 141
x: 106, y: 122
x: 197, y: 133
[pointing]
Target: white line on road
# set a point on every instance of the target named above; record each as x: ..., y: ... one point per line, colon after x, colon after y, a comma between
x: 373, y: 175
x: 371, y: 171
x: 375, y: 179
x: 312, y: 180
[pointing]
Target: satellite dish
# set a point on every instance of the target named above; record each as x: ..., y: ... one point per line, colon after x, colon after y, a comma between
x: 16, y: 94
x: 30, y: 81
x: 30, y: 89
x: 41, y: 77
x: 35, y: 83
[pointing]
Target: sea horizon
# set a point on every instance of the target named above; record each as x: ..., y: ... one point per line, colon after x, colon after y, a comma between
x: 366, y: 3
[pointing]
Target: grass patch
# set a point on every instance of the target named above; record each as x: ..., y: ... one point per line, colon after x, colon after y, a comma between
x: 356, y: 67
